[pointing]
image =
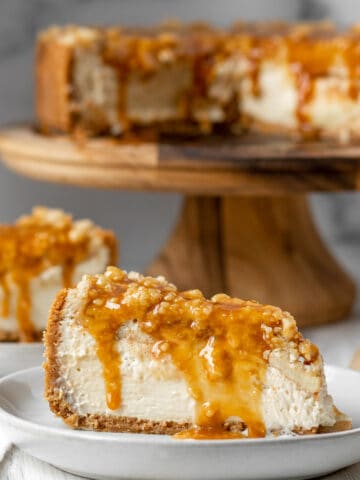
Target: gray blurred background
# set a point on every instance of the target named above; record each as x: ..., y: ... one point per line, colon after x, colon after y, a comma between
x: 141, y: 220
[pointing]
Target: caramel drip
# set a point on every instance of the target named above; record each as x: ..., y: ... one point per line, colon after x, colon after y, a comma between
x: 254, y: 58
x: 205, y: 433
x: 104, y: 332
x: 310, y: 57
x: 5, y: 306
x: 122, y: 99
x: 28, y: 248
x: 68, y: 272
x: 305, y: 86
x: 219, y: 345
x: 119, y: 55
x: 351, y: 57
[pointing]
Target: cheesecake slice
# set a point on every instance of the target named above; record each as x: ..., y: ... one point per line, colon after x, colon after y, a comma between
x: 40, y: 254
x: 274, y: 77
x: 128, y: 353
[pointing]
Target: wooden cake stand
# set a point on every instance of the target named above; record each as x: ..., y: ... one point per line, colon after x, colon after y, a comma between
x: 245, y: 226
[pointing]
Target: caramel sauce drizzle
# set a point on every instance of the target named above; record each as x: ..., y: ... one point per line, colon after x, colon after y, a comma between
x: 27, y: 248
x: 311, y: 50
x: 208, y: 433
x: 5, y: 304
x: 219, y: 345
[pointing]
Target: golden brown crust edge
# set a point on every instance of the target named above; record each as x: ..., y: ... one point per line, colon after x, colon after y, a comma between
x: 107, y: 423
x: 52, y: 81
x: 51, y: 339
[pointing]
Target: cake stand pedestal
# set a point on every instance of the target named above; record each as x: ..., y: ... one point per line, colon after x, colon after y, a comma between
x: 245, y: 227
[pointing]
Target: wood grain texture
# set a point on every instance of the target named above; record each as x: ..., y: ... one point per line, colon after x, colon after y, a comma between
x: 263, y: 248
x: 249, y: 164
x: 193, y: 256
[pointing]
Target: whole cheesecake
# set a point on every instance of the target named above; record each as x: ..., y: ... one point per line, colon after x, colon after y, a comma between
x: 128, y: 353
x: 300, y: 78
x: 40, y: 254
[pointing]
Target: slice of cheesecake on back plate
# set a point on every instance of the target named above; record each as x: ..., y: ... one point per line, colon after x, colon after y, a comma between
x: 127, y: 353
x: 40, y: 254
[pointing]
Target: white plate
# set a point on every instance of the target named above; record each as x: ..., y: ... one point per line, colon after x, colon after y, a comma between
x: 15, y: 356
x: 28, y: 423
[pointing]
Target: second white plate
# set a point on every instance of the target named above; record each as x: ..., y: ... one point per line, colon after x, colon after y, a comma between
x: 27, y: 422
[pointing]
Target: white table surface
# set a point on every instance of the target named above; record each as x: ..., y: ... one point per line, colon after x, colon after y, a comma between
x: 337, y: 343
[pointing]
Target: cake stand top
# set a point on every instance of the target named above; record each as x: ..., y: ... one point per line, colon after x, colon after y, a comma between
x: 214, y: 165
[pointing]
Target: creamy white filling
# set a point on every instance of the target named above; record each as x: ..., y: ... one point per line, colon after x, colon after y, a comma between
x: 44, y: 287
x: 332, y: 109
x: 95, y: 87
x: 287, y: 407
x: 276, y: 104
x: 153, y: 389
